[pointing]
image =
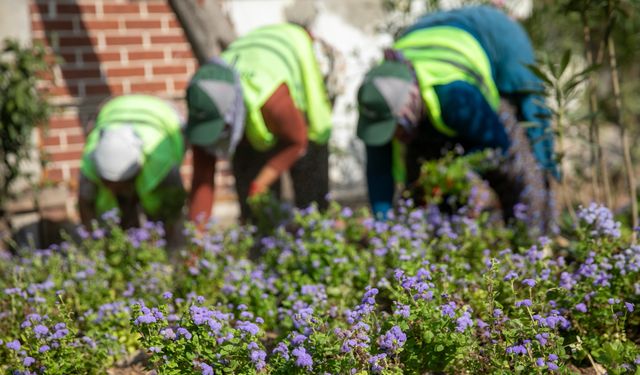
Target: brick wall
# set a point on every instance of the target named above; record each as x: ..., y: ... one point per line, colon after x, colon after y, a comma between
x: 108, y: 47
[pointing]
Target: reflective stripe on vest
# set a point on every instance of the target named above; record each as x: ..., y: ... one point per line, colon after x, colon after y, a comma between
x: 268, y: 57
x: 441, y: 55
x: 398, y: 165
x: 158, y: 126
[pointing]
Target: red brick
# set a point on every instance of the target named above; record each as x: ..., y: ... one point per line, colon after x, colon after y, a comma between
x: 77, y: 41
x: 51, y: 25
x: 77, y: 73
x: 182, y: 54
x: 65, y: 155
x: 66, y: 90
x: 75, y: 139
x: 125, y: 72
x: 174, y: 23
x: 143, y: 24
x: 170, y: 69
x: 158, y: 8
x: 64, y: 122
x: 75, y: 9
x: 96, y: 25
x: 68, y: 57
x: 52, y: 174
x: 120, y: 8
x: 180, y: 85
x: 148, y: 87
x: 145, y: 55
x: 100, y: 56
x: 51, y: 140
x: 161, y: 39
x: 123, y: 40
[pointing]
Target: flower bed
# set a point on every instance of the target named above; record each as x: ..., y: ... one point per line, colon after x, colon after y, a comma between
x: 334, y: 292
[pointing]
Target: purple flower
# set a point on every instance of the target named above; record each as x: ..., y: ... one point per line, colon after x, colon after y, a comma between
x: 517, y: 349
x: 282, y: 349
x: 629, y: 306
x: 205, y: 368
x: 44, y: 348
x: 393, y: 340
x: 184, y: 333
x: 376, y: 367
x: 449, y: 309
x: 298, y: 339
x: 510, y: 276
x: 464, y: 322
x: 303, y: 359
x: 552, y: 366
x: 167, y: 295
x: 248, y: 327
x: 14, y: 345
x: 529, y: 282
x: 40, y: 330
x: 28, y: 361
x: 524, y: 302
x: 168, y: 334
x: 540, y: 362
x: 402, y: 310
x: 553, y: 357
x: 581, y: 307
x: 542, y: 338
x: 600, y: 220
x: 258, y: 357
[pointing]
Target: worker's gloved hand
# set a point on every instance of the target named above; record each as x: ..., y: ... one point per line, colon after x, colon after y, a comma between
x: 381, y: 210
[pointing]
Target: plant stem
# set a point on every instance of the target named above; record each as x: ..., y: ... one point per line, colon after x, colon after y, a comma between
x: 564, y: 188
x: 594, y: 130
x: 624, y: 136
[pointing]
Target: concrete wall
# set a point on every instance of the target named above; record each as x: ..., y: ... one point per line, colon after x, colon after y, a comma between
x: 14, y: 20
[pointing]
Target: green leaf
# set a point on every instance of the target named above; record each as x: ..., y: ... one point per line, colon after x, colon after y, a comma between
x: 566, y: 59
x: 540, y: 74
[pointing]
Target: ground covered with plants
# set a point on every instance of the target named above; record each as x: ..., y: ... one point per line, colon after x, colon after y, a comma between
x: 440, y: 288
x: 335, y: 292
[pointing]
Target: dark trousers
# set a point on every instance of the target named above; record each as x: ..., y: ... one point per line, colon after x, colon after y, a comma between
x: 309, y: 175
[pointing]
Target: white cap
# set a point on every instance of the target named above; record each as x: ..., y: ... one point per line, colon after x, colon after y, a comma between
x: 118, y: 155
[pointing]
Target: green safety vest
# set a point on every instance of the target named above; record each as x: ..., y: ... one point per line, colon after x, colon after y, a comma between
x: 268, y: 57
x: 158, y: 126
x: 441, y: 55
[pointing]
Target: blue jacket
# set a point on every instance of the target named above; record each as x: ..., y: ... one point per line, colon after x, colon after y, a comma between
x: 464, y: 108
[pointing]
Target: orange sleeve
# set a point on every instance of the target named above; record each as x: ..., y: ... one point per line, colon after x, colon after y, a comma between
x: 202, y: 185
x: 287, y: 123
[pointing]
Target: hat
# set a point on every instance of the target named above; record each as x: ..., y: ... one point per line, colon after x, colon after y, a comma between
x: 118, y: 155
x: 382, y: 95
x: 211, y: 96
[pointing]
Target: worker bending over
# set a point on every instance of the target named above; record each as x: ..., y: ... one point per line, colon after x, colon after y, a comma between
x: 449, y: 80
x: 285, y: 110
x: 131, y: 162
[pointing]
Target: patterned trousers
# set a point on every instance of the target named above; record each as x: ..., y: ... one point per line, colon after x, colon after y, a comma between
x: 523, y: 188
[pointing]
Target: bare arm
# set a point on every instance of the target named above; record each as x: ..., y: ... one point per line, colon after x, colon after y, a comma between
x: 287, y: 123
x: 202, y: 186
